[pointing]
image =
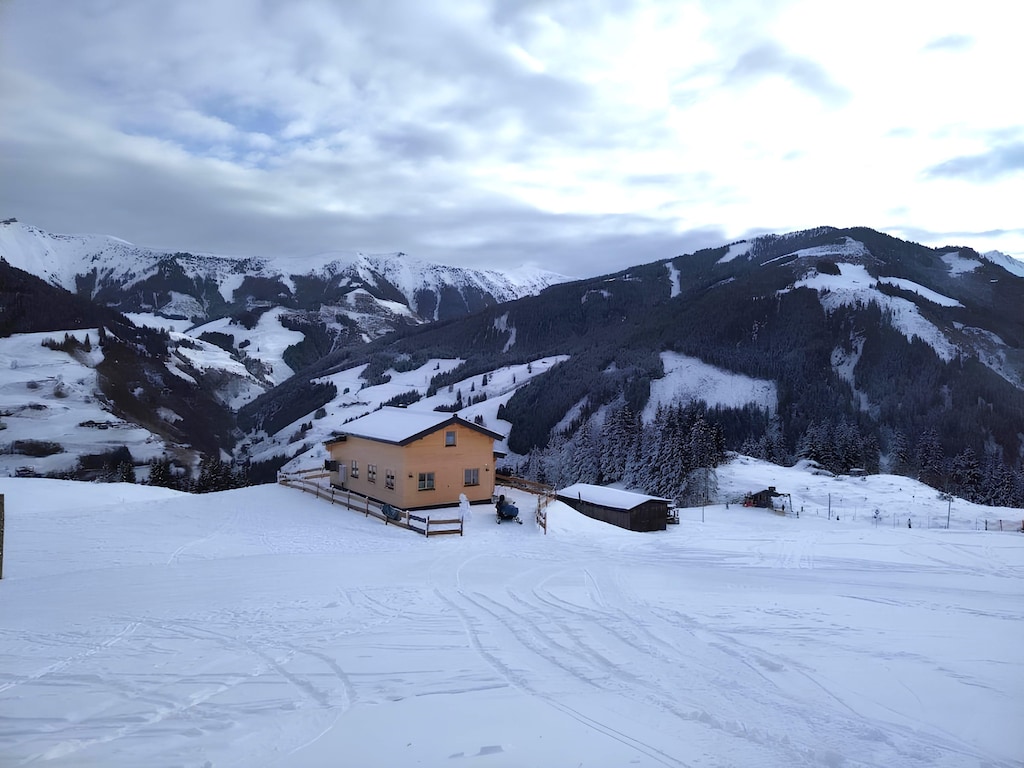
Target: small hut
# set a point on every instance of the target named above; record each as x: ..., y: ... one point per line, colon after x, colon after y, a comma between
x: 632, y: 511
x: 765, y: 499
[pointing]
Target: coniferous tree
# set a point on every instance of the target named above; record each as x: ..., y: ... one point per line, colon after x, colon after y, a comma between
x: 125, y: 472
x: 899, y: 453
x: 965, y: 474
x: 160, y: 473
x: 930, y: 459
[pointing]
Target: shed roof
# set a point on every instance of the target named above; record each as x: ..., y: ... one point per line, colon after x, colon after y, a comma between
x: 402, y: 425
x: 613, y: 498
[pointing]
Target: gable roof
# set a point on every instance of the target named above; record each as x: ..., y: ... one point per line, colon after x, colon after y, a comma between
x: 401, y: 426
x: 613, y: 498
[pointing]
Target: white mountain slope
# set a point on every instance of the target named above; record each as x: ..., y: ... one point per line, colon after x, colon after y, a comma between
x: 266, y: 628
x: 50, y: 403
x: 1009, y: 263
x: 60, y: 259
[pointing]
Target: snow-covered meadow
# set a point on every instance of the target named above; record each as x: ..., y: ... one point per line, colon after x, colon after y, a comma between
x: 264, y: 627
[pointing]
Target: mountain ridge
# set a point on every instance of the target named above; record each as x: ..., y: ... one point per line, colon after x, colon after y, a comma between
x: 908, y: 356
x: 91, y: 264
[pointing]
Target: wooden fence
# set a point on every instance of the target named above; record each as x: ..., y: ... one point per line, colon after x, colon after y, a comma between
x: 307, y: 482
x: 545, y: 495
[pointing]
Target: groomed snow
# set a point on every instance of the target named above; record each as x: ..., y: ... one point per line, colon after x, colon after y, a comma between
x: 736, y: 250
x: 266, y: 628
x: 854, y: 284
x: 688, y: 378
x: 959, y: 265
x: 925, y: 293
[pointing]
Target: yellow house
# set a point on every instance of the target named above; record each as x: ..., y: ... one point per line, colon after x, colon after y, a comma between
x: 414, y: 459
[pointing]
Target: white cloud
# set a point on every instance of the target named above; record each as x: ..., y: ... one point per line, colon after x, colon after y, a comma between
x: 626, y: 131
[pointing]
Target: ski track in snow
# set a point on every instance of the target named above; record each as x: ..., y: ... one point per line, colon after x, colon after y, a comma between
x: 266, y: 628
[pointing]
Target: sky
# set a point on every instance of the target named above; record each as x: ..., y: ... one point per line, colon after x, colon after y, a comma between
x: 269, y: 628
x: 582, y: 137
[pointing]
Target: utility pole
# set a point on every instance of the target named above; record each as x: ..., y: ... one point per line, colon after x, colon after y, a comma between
x: 704, y: 500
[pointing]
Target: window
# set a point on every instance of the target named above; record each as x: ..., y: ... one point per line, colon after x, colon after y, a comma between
x: 371, y: 473
x: 426, y: 481
x: 355, y: 468
x: 449, y: 438
x: 389, y: 479
x: 472, y: 477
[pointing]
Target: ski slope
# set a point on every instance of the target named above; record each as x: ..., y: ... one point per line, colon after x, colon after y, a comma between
x: 263, y: 627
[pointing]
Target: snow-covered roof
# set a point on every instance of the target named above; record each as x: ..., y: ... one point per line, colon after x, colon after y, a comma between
x: 615, y: 498
x: 403, y: 425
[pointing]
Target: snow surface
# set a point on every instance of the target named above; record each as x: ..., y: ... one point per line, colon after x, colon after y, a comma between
x: 925, y: 293
x: 673, y: 278
x: 49, y: 395
x: 360, y: 400
x: 59, y: 258
x: 849, y: 248
x: 959, y: 265
x: 736, y: 250
x: 394, y: 425
x: 1014, y: 266
x: 263, y: 627
x: 688, y: 378
x: 854, y: 284
x: 606, y: 496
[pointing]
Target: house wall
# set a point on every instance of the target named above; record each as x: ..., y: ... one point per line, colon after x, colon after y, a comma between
x: 472, y: 450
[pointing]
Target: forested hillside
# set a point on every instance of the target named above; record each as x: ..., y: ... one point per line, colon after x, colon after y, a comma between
x: 884, y: 354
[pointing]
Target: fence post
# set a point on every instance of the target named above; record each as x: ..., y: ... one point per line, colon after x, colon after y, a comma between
x: 426, y: 527
x: 1, y: 535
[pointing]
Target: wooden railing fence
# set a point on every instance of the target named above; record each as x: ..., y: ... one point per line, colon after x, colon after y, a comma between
x: 306, y: 481
x: 545, y: 495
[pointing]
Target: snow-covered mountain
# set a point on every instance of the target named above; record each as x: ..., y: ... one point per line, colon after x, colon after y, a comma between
x: 370, y: 294
x: 1010, y: 264
x: 848, y: 345
x: 851, y: 346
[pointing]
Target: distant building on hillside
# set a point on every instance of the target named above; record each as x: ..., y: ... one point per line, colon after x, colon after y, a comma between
x: 632, y: 511
x: 414, y: 459
x: 764, y: 499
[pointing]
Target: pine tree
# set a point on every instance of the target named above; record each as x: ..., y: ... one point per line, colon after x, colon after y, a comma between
x: 930, y: 459
x: 965, y: 472
x: 899, y: 452
x: 125, y: 472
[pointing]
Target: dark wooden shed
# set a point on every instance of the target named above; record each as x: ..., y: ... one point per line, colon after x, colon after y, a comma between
x: 632, y: 511
x: 764, y: 499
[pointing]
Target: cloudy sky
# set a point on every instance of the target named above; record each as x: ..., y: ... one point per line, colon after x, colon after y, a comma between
x: 581, y: 136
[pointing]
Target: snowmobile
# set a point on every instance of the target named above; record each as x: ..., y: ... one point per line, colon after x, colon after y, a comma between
x: 506, y: 512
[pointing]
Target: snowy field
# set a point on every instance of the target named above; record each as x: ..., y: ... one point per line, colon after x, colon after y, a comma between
x: 262, y: 627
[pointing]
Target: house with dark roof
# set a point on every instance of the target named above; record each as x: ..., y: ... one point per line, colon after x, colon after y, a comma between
x: 632, y: 511
x: 414, y: 459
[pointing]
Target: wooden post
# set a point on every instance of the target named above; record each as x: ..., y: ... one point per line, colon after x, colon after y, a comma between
x: 1, y: 535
